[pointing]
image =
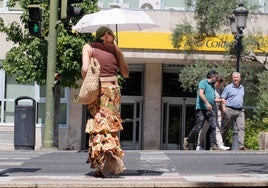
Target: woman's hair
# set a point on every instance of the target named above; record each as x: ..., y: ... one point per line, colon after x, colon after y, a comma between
x: 101, y: 31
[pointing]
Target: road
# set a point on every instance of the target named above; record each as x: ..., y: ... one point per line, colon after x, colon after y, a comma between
x: 145, y: 168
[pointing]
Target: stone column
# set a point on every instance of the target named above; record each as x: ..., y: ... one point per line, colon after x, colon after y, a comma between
x: 152, y: 106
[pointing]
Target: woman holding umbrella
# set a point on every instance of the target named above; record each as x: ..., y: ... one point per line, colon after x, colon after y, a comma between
x: 105, y: 153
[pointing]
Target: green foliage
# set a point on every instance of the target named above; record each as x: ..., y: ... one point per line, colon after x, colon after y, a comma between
x: 69, y: 47
x: 192, y: 74
x: 261, y: 110
x: 27, y: 62
x: 28, y: 58
x: 211, y: 17
x: 259, y: 122
x: 121, y: 80
x: 183, y: 32
x: 253, y: 129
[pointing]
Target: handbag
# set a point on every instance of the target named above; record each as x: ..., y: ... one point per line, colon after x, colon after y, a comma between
x: 90, y: 88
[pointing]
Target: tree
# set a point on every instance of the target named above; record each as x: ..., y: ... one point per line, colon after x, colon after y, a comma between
x: 210, y: 18
x: 27, y: 59
x: 198, y: 71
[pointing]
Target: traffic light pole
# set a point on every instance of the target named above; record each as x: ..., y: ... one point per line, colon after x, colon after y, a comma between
x: 48, y: 141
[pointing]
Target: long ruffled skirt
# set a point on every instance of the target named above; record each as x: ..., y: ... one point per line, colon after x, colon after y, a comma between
x: 104, y: 126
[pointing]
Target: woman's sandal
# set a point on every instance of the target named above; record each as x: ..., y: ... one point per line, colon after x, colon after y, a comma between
x: 98, y: 174
x: 112, y: 164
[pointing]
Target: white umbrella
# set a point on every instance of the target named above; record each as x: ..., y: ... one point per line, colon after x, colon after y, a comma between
x: 116, y: 19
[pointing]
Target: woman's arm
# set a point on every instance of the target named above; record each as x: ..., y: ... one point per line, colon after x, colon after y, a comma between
x: 86, y: 57
x: 122, y: 63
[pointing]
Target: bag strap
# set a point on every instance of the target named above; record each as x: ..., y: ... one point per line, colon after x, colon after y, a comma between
x: 92, y: 52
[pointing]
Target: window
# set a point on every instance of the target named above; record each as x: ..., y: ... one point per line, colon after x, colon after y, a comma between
x: 11, y: 89
x: 64, y: 98
x: 134, y: 84
x: 171, y: 85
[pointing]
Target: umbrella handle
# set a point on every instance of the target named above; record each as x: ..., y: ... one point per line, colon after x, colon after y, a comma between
x: 116, y: 31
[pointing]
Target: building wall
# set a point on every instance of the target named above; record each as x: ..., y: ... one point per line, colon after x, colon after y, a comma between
x: 6, y: 45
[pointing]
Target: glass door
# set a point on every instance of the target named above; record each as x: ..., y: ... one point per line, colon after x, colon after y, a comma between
x: 131, y: 113
x: 178, y: 117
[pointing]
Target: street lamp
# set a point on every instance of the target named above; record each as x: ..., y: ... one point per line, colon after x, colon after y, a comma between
x: 238, y: 24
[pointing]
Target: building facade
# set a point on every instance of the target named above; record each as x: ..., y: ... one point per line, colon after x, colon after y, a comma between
x: 156, y: 112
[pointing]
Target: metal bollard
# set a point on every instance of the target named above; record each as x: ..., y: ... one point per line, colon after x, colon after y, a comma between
x: 235, y: 137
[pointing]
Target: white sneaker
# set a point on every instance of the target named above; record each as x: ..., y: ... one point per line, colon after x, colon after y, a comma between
x: 224, y: 148
x: 199, y: 148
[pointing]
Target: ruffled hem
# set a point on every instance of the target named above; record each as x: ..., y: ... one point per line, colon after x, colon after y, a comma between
x: 100, y: 143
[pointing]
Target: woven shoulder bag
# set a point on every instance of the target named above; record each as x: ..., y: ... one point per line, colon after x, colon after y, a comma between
x: 90, y: 88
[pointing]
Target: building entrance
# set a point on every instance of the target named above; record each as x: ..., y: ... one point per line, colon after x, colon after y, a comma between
x: 178, y: 118
x: 131, y: 114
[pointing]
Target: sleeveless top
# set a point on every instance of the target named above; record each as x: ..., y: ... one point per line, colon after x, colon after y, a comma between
x: 107, y: 62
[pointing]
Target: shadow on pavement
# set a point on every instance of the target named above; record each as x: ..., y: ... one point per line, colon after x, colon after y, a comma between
x: 259, y: 168
x: 133, y: 173
x: 5, y: 173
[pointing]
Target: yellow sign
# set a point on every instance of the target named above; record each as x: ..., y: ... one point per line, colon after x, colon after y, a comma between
x: 162, y: 41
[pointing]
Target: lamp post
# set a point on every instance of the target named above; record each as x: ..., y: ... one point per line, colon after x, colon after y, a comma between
x: 238, y: 24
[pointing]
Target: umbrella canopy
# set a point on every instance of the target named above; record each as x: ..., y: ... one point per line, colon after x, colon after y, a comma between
x: 116, y: 19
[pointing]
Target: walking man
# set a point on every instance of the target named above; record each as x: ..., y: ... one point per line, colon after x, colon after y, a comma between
x: 233, y: 112
x: 218, y: 110
x: 205, y: 110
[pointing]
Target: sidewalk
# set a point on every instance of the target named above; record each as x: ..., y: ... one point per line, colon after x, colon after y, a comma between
x: 43, y: 169
x: 173, y: 180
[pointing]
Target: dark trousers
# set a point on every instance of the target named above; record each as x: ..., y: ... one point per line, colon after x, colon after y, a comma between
x: 201, y: 117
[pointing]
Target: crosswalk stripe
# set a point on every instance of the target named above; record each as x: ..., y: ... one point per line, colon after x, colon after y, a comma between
x: 15, y: 159
x: 10, y: 163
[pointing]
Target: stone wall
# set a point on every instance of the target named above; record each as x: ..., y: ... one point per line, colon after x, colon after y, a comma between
x: 263, y: 141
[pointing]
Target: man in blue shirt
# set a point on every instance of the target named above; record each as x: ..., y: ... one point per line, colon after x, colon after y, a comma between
x: 233, y: 112
x: 205, y: 110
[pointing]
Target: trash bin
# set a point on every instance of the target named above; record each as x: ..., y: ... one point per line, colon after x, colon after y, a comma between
x: 24, y: 127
